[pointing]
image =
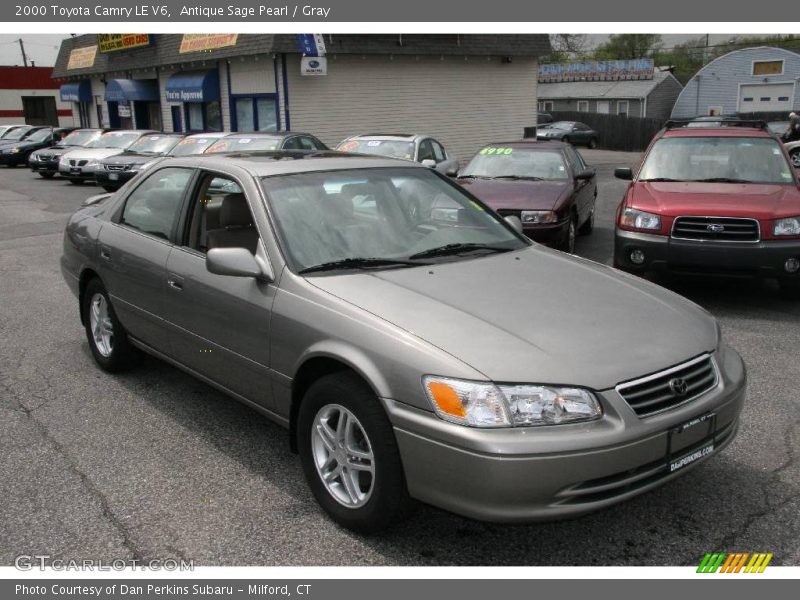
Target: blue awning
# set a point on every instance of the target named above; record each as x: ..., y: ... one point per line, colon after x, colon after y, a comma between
x: 138, y: 90
x: 193, y: 86
x: 77, y: 91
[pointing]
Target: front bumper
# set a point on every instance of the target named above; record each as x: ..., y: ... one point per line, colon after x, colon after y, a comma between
x: 662, y: 253
x: 20, y: 158
x: 544, y: 473
x: 114, y: 179
x: 553, y: 235
x: 41, y: 166
x: 78, y: 172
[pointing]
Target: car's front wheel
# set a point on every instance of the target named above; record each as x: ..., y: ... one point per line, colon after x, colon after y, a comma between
x: 568, y: 243
x: 349, y: 454
x: 107, y: 338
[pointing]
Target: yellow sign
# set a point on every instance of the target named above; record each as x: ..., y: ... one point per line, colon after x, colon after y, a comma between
x: 82, y: 58
x: 111, y: 42
x: 198, y: 42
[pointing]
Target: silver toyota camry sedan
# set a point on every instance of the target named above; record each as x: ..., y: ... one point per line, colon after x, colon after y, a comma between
x: 413, y: 342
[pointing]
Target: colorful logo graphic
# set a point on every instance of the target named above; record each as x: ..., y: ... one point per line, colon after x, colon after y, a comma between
x: 735, y: 562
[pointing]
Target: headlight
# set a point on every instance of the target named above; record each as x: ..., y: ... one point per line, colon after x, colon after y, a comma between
x: 12, y: 151
x: 638, y: 219
x: 63, y: 161
x: 485, y: 404
x: 538, y: 216
x: 787, y: 226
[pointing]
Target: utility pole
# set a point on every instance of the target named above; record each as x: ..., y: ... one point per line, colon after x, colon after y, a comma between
x: 22, y: 49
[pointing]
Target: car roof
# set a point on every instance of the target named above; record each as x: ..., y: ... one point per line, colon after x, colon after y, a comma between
x: 531, y: 144
x: 210, y: 134
x: 267, y: 134
x: 405, y: 137
x: 284, y: 162
x: 714, y: 131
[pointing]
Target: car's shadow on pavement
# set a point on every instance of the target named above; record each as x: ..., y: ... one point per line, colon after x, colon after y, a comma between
x: 705, y: 509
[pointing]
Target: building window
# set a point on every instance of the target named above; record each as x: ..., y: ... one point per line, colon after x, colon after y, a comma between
x: 783, y: 98
x: 747, y: 99
x: 714, y: 111
x: 622, y: 108
x: 765, y: 99
x: 203, y: 116
x: 583, y: 106
x: 256, y: 113
x: 194, y: 116
x: 768, y: 67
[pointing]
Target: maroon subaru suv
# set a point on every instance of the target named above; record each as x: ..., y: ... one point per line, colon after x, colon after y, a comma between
x: 720, y: 200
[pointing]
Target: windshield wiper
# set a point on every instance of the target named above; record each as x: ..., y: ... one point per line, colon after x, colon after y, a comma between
x: 519, y: 177
x: 360, y: 263
x: 456, y: 249
x: 723, y: 180
x: 662, y: 179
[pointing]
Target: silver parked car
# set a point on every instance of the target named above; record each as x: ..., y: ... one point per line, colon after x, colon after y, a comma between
x: 413, y: 342
x: 83, y: 163
x: 408, y: 146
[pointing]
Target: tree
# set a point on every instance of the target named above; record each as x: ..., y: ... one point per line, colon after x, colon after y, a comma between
x: 628, y: 45
x: 684, y: 60
x: 566, y: 47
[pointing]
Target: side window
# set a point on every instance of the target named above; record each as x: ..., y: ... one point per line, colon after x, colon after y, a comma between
x: 220, y: 216
x: 307, y: 143
x: 438, y: 151
x: 574, y: 159
x: 153, y: 207
x: 293, y: 143
x: 425, y: 151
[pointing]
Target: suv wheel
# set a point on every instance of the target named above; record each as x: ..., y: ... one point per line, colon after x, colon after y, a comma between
x: 349, y: 454
x: 107, y: 338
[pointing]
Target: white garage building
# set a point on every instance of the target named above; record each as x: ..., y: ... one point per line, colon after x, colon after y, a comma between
x: 751, y: 80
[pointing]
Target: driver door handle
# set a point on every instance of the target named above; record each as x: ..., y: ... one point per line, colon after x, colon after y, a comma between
x: 175, y: 282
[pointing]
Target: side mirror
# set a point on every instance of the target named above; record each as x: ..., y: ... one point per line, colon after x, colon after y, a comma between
x: 428, y: 162
x: 623, y: 173
x: 586, y: 173
x: 233, y: 262
x: 514, y: 222
x: 451, y: 171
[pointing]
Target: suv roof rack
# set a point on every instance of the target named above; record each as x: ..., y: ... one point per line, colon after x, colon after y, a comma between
x: 721, y: 122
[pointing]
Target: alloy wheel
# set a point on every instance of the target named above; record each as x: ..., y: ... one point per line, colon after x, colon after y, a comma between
x: 343, y: 456
x: 101, y: 325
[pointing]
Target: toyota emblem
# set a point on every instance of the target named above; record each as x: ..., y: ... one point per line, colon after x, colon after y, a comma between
x: 678, y: 386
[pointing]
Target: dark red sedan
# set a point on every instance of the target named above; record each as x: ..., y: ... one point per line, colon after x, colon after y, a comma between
x: 547, y: 185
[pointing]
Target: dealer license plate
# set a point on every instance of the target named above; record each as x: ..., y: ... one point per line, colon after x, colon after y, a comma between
x: 676, y: 464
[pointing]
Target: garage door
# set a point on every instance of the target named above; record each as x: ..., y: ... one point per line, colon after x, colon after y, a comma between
x: 766, y: 97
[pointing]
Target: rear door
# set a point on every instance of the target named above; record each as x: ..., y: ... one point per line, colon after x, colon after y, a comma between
x: 219, y: 325
x: 133, y: 249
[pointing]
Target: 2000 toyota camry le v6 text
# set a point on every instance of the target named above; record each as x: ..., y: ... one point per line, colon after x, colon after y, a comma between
x: 416, y: 345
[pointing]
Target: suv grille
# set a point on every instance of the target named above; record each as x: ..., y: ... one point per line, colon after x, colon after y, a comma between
x: 727, y: 229
x: 117, y: 167
x: 664, y: 390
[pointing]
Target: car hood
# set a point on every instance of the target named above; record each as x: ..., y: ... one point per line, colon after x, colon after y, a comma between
x: 96, y: 153
x: 521, y: 195
x: 754, y: 200
x: 536, y: 316
x: 131, y: 158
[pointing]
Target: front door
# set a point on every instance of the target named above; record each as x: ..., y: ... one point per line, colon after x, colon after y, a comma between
x: 133, y: 252
x: 220, y: 324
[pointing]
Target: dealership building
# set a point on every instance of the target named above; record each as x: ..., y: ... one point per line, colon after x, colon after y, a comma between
x: 464, y: 90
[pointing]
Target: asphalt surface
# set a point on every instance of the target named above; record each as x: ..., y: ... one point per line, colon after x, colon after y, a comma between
x: 154, y: 464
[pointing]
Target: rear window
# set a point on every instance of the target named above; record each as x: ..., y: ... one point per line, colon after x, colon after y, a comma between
x: 717, y: 159
x: 244, y: 144
x: 390, y: 148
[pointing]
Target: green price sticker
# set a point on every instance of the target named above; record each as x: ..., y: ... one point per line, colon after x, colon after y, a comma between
x: 490, y: 151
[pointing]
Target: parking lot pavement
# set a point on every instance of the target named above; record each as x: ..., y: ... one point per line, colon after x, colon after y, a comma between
x: 155, y: 464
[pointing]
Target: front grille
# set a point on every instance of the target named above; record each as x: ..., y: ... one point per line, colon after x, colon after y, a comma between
x: 44, y: 157
x: 723, y: 229
x: 626, y: 482
x: 117, y: 167
x: 77, y: 163
x: 658, y: 392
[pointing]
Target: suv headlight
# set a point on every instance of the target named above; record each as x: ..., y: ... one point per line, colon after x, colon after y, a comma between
x: 638, y: 219
x: 486, y: 404
x: 787, y: 226
x: 538, y: 216
x: 12, y: 151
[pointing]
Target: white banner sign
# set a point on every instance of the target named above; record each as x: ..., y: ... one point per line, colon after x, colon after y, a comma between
x: 313, y: 65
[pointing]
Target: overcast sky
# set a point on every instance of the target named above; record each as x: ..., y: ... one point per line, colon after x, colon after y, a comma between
x: 43, y: 48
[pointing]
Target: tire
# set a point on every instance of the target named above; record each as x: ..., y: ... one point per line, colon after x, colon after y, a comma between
x: 588, y: 225
x: 794, y: 156
x: 76, y: 181
x: 592, y: 143
x: 790, y: 289
x: 374, y: 500
x: 46, y: 175
x: 113, y: 352
x: 568, y: 244
x: 565, y: 139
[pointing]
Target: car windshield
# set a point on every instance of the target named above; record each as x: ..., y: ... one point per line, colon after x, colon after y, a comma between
x: 80, y: 138
x: 192, y: 145
x: 154, y: 144
x: 565, y: 125
x: 244, y: 144
x: 497, y: 161
x: 40, y: 135
x: 383, y: 216
x: 719, y: 159
x: 16, y: 134
x: 391, y: 148
x: 115, y: 139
